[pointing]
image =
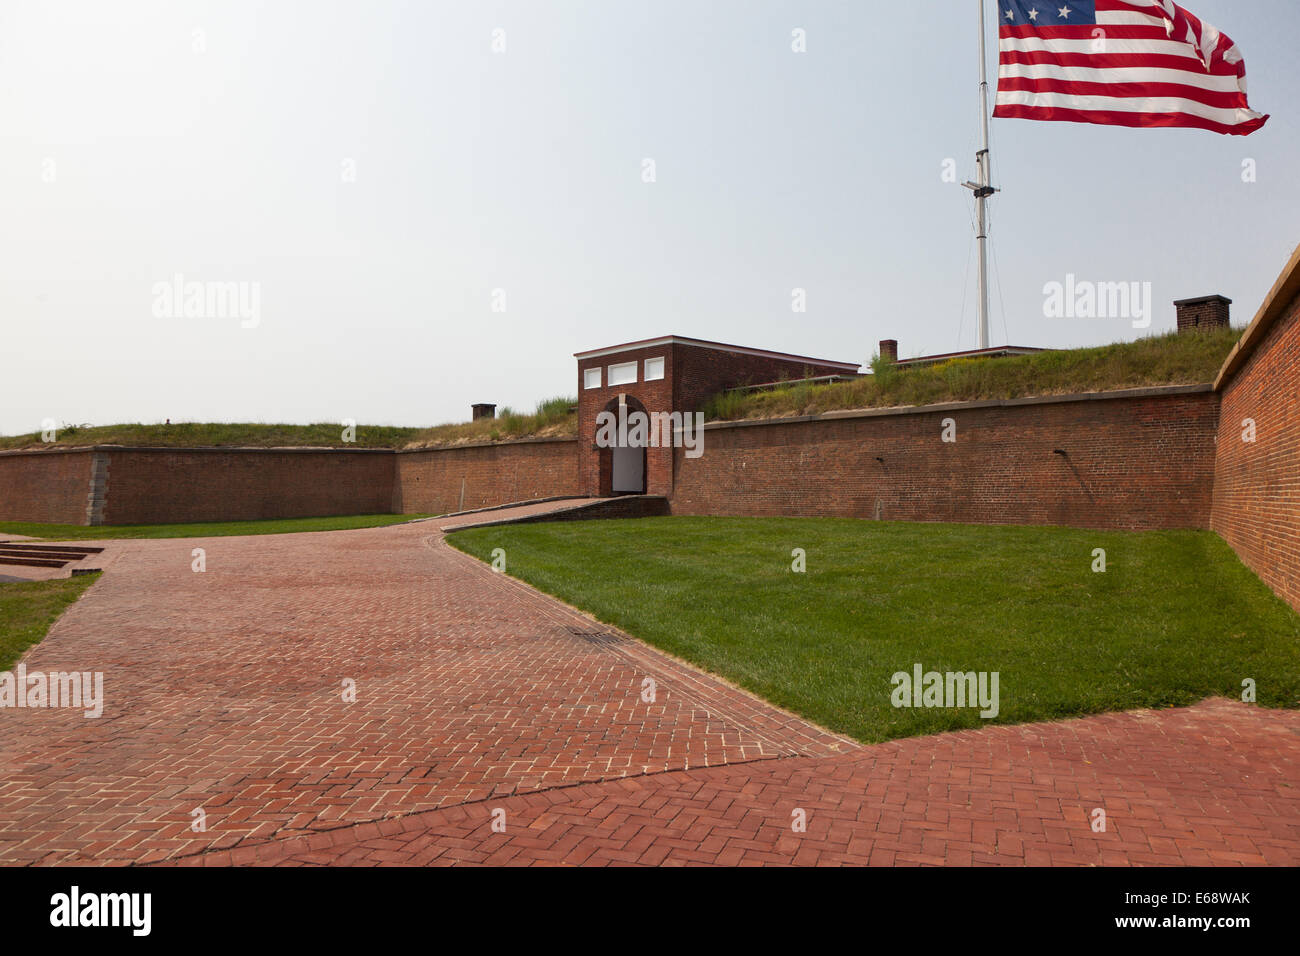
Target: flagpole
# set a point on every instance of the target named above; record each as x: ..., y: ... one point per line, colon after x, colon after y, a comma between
x: 983, y: 189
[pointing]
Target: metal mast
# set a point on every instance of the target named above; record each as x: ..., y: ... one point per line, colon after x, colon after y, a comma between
x: 983, y: 188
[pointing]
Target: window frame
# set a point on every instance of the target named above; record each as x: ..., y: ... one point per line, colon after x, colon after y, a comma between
x: 622, y: 366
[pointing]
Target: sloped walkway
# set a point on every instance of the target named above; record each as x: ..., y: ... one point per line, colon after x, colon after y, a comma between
x: 469, y: 519
x: 572, y: 509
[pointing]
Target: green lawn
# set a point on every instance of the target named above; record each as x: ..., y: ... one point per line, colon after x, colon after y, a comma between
x: 1175, y: 618
x: 28, y: 608
x: 215, y: 529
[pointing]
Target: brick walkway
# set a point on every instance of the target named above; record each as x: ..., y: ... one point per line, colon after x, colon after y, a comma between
x: 1210, y: 785
x: 225, y: 692
x: 476, y: 694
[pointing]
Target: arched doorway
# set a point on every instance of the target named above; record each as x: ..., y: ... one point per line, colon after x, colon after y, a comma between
x: 622, y: 467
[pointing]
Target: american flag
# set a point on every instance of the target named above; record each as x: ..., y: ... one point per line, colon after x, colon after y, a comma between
x: 1120, y: 63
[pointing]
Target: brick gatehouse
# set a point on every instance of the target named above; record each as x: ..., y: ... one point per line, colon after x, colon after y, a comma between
x: 668, y: 374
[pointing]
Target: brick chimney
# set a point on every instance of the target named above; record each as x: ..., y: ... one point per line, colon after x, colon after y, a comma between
x: 889, y: 350
x: 1201, y: 315
x: 484, y: 410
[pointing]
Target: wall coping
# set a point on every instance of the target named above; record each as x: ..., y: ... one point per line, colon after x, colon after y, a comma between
x: 1284, y: 290
x: 487, y: 444
x: 274, y: 450
x: 76, y: 450
x: 1123, y: 393
x: 204, y: 449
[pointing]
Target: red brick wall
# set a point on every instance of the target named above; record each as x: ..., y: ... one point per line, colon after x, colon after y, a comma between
x: 429, y: 482
x: 1257, y: 486
x: 45, y: 486
x: 168, y: 485
x: 1141, y: 461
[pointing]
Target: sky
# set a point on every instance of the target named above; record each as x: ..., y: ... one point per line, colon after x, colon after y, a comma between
x: 430, y: 204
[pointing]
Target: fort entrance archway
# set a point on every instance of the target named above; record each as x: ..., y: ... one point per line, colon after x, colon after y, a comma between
x: 622, y: 466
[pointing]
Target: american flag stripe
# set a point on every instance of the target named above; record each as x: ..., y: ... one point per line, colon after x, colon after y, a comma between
x: 1222, y: 111
x: 1118, y: 54
x: 1127, y: 18
x: 1140, y: 63
x: 1088, y: 33
x: 1121, y: 11
x: 1119, y: 75
x: 1148, y: 111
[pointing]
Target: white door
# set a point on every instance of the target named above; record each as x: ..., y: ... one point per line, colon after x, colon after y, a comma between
x: 629, y: 470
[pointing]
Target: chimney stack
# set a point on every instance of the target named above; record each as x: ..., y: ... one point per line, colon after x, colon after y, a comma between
x: 1203, y: 314
x: 484, y: 410
x: 889, y: 350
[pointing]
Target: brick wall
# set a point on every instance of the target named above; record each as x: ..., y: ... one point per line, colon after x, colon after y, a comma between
x: 1140, y: 459
x: 430, y: 482
x: 170, y: 485
x: 1257, y: 484
x: 1149, y: 458
x: 46, y: 486
x: 173, y: 485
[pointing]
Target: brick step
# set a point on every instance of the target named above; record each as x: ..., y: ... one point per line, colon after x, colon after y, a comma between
x: 43, y: 555
x: 33, y: 562
x: 61, y: 548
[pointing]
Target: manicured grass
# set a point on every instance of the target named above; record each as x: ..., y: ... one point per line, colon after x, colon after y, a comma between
x: 216, y: 434
x: 217, y: 529
x: 29, y: 608
x: 1158, y: 360
x: 1175, y: 618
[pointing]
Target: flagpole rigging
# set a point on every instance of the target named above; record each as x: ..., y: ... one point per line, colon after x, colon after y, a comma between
x: 983, y: 189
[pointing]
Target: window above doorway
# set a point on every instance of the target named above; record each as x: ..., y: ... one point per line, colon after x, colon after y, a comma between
x: 624, y: 374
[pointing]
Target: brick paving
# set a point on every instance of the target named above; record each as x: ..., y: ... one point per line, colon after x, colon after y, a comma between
x: 225, y: 693
x: 1211, y: 785
x: 476, y: 694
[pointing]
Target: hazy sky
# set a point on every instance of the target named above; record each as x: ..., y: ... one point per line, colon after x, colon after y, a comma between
x: 373, y: 171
